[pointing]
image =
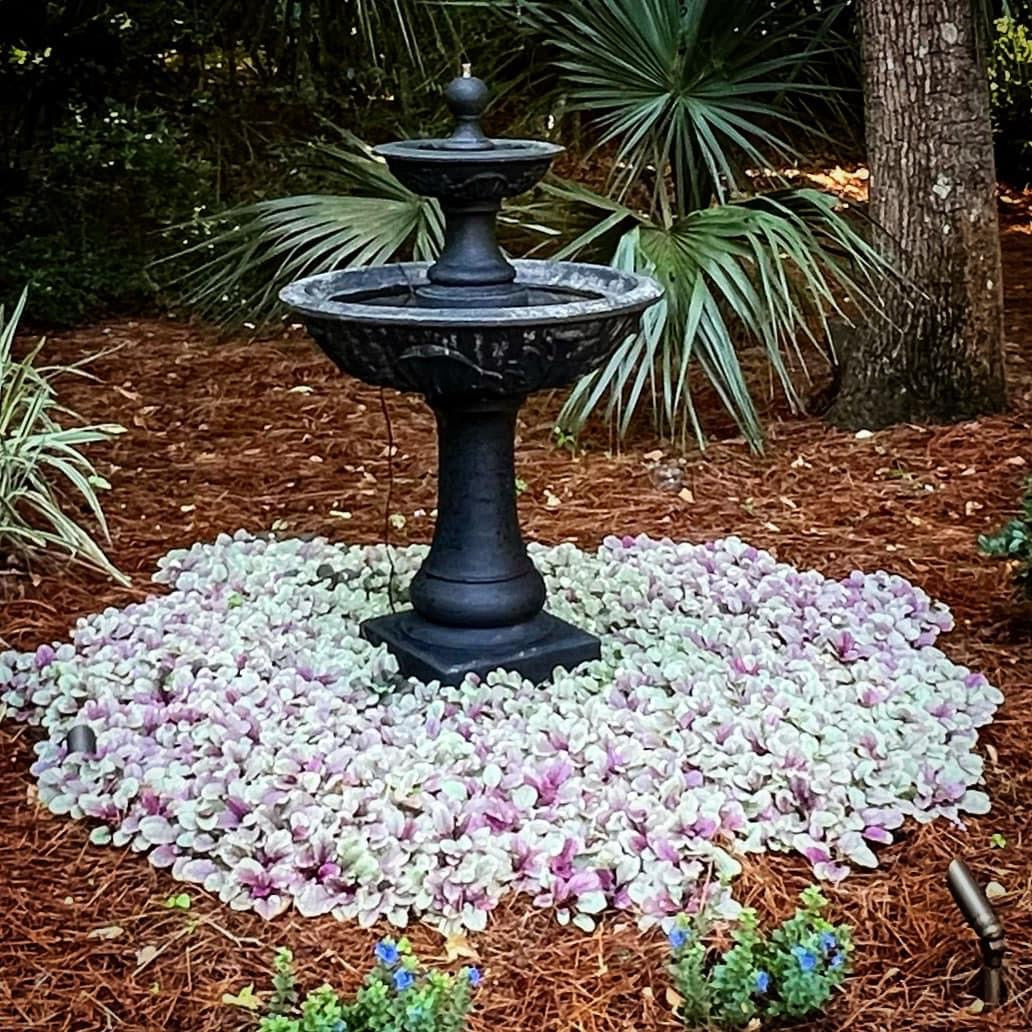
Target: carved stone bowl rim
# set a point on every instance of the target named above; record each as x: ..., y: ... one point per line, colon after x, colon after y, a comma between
x: 438, y: 151
x: 621, y: 293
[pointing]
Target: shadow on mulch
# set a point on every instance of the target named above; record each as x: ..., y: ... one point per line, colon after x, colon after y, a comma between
x: 248, y: 434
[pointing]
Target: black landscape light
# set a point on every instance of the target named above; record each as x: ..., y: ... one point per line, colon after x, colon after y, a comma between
x: 81, y: 739
x: 981, y: 915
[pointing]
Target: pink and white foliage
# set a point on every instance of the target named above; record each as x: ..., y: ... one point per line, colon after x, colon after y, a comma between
x: 251, y: 741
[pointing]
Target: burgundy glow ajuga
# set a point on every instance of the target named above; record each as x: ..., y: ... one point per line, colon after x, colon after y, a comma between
x: 249, y: 739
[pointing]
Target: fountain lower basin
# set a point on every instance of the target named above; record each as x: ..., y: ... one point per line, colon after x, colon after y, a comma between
x: 558, y: 322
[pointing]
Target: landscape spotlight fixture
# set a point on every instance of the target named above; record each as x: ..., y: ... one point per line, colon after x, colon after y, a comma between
x: 981, y: 915
x: 81, y: 739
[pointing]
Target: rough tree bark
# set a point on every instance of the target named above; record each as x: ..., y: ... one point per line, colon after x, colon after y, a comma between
x: 939, y: 356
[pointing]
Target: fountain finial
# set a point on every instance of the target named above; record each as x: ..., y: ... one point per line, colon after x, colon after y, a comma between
x: 467, y: 96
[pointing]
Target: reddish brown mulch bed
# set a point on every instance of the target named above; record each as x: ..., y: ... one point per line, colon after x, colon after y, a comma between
x: 246, y: 434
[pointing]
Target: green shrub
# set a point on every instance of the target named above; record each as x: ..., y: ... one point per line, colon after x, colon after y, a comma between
x: 790, y: 973
x: 398, y: 995
x: 1013, y: 541
x: 84, y: 223
x: 1010, y: 82
x: 41, y: 462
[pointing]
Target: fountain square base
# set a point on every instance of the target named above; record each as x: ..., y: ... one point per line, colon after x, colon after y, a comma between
x: 437, y: 652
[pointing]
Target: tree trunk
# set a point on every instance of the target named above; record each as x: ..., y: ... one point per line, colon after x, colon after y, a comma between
x: 939, y: 355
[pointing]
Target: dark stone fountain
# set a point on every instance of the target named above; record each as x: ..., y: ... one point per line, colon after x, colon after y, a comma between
x: 474, y: 334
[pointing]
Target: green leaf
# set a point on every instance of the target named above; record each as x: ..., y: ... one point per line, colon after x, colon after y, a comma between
x: 768, y: 270
x: 42, y: 465
x: 257, y: 249
x: 697, y: 90
x: 1013, y: 541
x: 246, y: 999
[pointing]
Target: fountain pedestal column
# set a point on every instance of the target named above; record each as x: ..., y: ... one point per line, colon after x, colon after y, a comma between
x: 477, y: 573
x: 477, y: 599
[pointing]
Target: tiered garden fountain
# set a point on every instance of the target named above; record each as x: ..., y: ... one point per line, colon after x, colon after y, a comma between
x: 474, y: 334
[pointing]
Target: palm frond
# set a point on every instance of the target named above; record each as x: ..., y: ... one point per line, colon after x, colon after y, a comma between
x: 769, y: 271
x: 256, y: 249
x: 692, y: 93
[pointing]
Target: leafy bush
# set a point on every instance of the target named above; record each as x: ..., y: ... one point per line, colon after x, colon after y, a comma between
x: 398, y: 995
x: 790, y: 973
x: 41, y: 461
x: 82, y: 227
x: 1013, y: 541
x: 1010, y: 81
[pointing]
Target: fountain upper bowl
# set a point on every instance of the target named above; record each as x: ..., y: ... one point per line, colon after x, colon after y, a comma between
x: 558, y: 322
x: 436, y: 168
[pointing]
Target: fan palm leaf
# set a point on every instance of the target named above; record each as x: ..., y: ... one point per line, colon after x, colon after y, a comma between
x: 771, y: 269
x: 257, y: 249
x: 694, y: 95
x: 690, y: 92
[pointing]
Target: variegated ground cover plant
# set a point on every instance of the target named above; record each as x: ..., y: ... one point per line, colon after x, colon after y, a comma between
x: 251, y: 741
x: 45, y: 475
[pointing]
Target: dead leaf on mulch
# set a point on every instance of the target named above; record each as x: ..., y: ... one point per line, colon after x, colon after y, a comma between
x: 107, y: 932
x: 457, y: 947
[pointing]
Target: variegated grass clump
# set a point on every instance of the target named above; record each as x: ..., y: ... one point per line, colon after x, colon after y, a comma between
x: 42, y: 465
x: 249, y: 739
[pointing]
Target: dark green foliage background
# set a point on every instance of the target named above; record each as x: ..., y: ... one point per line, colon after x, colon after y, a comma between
x: 1010, y: 80
x: 119, y: 118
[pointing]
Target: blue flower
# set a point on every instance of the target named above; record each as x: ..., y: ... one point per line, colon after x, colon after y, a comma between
x: 387, y: 953
x: 837, y: 960
x: 828, y: 942
x: 678, y: 937
x: 807, y: 958
x: 474, y: 976
x: 403, y: 979
x: 762, y: 981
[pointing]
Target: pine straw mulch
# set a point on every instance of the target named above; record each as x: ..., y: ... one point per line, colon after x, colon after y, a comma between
x: 245, y: 434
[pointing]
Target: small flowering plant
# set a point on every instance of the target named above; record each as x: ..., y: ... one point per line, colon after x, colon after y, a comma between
x: 789, y: 973
x: 398, y: 995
